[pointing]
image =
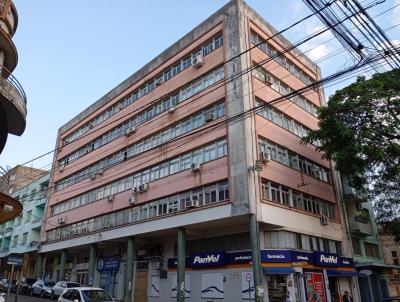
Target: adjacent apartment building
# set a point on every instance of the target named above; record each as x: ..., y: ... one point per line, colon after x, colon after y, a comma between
x: 188, y: 179
x: 22, y: 235
x: 391, y: 252
x: 374, y: 277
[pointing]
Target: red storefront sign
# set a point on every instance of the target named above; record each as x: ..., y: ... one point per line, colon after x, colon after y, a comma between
x: 315, y: 287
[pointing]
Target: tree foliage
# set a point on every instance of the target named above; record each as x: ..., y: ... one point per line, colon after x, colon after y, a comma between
x: 360, y: 131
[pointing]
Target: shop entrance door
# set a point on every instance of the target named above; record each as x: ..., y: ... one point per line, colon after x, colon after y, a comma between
x: 82, y: 277
x: 334, y: 289
x: 276, y: 288
x: 141, y: 282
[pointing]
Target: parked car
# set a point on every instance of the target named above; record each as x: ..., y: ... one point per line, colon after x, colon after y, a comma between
x: 3, y: 284
x: 60, y: 287
x: 2, y: 297
x: 85, y: 294
x: 42, y: 288
x: 25, y: 286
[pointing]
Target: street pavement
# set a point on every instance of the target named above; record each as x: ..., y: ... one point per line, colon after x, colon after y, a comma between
x: 22, y: 298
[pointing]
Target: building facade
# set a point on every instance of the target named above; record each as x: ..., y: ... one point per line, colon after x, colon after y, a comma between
x: 391, y: 252
x: 21, y: 236
x: 188, y: 179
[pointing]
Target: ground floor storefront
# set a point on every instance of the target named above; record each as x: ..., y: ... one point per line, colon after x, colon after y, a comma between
x: 378, y: 281
x: 287, y: 275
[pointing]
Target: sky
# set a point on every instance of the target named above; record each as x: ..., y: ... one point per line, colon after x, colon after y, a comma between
x: 71, y: 55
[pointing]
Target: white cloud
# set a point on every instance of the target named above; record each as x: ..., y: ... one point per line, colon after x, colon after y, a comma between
x: 319, y: 52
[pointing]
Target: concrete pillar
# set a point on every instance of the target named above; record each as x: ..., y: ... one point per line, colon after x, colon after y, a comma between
x: 39, y: 266
x: 130, y: 254
x: 256, y: 258
x: 63, y: 260
x: 92, y: 265
x: 180, y: 297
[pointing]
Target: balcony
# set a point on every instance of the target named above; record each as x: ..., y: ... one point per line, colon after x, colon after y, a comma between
x: 350, y: 194
x: 360, y: 224
x: 36, y: 224
x: 13, y: 101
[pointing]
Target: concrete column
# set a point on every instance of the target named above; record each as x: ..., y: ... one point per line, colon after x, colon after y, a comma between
x: 256, y: 258
x: 92, y: 265
x: 63, y: 260
x: 130, y: 254
x: 39, y: 266
x: 180, y: 297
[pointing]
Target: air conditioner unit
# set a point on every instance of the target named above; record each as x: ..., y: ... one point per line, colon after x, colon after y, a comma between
x: 92, y: 176
x: 132, y: 199
x: 143, y: 188
x: 90, y: 126
x: 209, y: 117
x: 61, y: 168
x: 265, y: 157
x: 324, y: 220
x: 158, y: 82
x: 171, y: 110
x: 130, y: 131
x: 61, y: 220
x: 193, y: 202
x: 198, y: 61
x: 135, y: 189
x: 195, y: 166
x: 100, y: 172
x: 121, y: 106
x: 110, y: 197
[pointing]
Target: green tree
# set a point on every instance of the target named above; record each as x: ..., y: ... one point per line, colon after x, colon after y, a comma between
x: 360, y: 131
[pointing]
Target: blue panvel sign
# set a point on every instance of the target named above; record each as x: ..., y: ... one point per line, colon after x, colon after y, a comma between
x: 108, y: 264
x: 326, y: 259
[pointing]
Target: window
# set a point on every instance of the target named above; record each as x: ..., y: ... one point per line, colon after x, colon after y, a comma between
x: 15, y: 241
x: 395, y: 257
x: 28, y: 216
x: 371, y: 250
x: 174, y: 165
x: 217, y: 192
x: 356, y: 246
x: 24, y: 238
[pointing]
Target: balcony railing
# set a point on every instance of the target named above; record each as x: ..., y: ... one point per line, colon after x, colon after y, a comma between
x: 360, y: 224
x: 7, y: 76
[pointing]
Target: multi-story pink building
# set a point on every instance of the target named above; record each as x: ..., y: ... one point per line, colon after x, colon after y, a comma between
x: 177, y: 162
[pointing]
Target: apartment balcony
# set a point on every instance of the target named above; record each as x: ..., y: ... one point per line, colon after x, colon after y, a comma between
x: 41, y: 201
x: 360, y: 224
x: 8, y: 231
x: 36, y: 224
x: 350, y: 194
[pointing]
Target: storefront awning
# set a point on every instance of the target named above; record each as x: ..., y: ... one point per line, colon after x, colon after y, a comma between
x: 278, y: 270
x: 335, y: 273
